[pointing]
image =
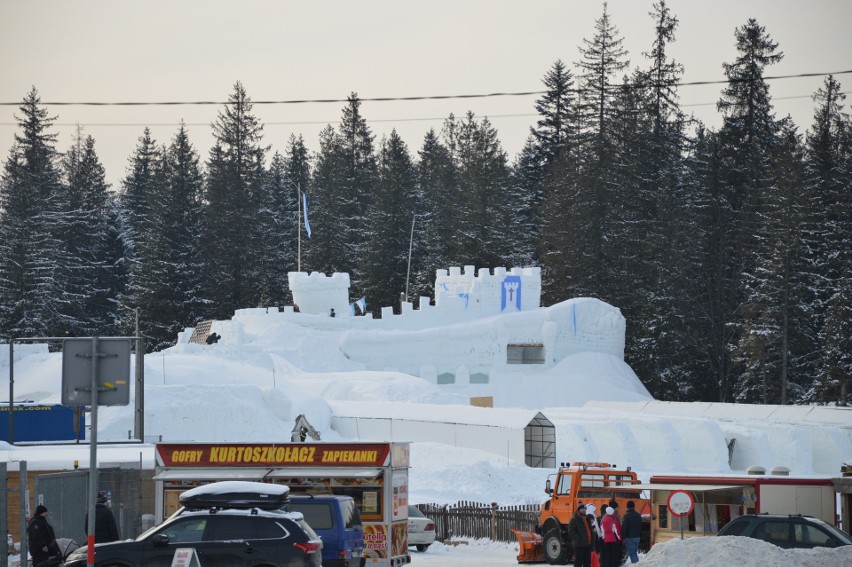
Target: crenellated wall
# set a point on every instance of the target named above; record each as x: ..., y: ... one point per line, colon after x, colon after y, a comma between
x: 318, y: 294
x: 483, y: 293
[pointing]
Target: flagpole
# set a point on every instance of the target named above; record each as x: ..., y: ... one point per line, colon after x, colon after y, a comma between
x: 298, y: 228
x: 410, y: 244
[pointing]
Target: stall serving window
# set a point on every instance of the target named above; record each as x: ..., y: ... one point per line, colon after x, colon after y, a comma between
x: 713, y: 509
x: 367, y: 492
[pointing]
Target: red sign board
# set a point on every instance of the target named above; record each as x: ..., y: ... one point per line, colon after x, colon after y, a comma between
x: 272, y: 454
x: 681, y: 503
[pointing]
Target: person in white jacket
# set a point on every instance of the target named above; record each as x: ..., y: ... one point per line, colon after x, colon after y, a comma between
x: 591, y: 514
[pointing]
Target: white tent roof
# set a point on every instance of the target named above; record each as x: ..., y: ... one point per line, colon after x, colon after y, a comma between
x: 459, y: 414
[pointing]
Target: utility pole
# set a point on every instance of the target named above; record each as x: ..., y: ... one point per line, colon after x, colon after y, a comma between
x: 139, y: 410
x: 410, y: 245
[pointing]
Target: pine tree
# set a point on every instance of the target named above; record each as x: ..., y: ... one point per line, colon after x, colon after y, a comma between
x: 698, y: 239
x: 297, y: 173
x: 326, y: 251
x: 562, y: 221
x: 548, y: 157
x: 384, y: 262
x: 484, y: 203
x: 748, y: 135
x: 359, y: 181
x: 170, y: 279
x: 341, y: 193
x: 436, y: 190
x: 603, y: 57
x: 773, y: 288
x: 556, y: 128
x: 143, y: 180
x: 525, y: 186
x: 137, y: 185
x: 278, y: 224
x: 29, y: 189
x: 652, y: 234
x: 235, y: 177
x: 829, y: 252
x: 83, y: 232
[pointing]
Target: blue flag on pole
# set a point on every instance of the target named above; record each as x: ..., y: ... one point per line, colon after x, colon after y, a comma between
x: 305, y: 209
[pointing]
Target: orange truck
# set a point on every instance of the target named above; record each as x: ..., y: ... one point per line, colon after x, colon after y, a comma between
x: 571, y: 485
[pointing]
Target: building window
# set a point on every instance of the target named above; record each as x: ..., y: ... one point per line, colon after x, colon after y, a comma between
x: 525, y: 354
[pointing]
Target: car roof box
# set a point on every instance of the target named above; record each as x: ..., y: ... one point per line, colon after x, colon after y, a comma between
x: 237, y: 494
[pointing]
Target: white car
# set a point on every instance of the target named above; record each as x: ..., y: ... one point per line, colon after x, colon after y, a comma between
x: 421, y: 530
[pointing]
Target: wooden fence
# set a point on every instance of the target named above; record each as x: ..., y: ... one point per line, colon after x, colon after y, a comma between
x: 477, y: 520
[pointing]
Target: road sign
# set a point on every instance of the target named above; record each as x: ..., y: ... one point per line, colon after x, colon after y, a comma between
x: 113, y: 371
x: 681, y: 503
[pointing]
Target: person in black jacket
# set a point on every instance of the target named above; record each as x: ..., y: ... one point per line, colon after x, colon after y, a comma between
x: 106, y: 529
x: 631, y: 527
x: 581, y: 538
x: 40, y: 537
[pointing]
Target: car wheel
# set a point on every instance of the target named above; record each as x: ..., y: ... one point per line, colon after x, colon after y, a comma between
x: 422, y: 546
x: 555, y: 550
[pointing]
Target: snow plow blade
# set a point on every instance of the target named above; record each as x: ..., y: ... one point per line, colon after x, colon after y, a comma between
x: 530, y: 547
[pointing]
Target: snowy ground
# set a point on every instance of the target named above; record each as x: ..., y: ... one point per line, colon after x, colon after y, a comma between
x: 703, y: 552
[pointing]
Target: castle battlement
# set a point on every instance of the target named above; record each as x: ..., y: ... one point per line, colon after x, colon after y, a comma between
x: 485, y: 293
x: 318, y: 293
x: 460, y: 292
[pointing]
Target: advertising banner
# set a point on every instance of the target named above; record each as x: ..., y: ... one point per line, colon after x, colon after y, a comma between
x: 272, y: 454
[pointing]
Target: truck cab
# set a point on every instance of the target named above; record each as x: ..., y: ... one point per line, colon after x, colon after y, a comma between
x: 587, y: 483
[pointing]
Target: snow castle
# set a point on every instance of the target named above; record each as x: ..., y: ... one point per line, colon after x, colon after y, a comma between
x: 482, y: 324
x: 504, y: 325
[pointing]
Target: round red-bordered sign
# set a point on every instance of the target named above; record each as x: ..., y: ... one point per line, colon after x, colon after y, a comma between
x: 681, y: 503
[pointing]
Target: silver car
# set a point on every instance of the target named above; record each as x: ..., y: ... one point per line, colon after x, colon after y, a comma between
x: 421, y: 530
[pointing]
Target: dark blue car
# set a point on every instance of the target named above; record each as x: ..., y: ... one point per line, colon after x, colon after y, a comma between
x: 337, y: 521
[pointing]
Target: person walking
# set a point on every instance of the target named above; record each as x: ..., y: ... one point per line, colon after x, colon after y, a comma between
x: 40, y: 537
x: 612, y: 539
x: 581, y: 538
x: 106, y: 529
x: 597, y: 534
x: 631, y: 529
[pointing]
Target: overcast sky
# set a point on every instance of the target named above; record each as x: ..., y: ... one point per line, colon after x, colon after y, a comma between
x: 195, y: 50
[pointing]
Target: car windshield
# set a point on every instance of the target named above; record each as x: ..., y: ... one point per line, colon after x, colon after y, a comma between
x: 415, y: 512
x: 839, y: 534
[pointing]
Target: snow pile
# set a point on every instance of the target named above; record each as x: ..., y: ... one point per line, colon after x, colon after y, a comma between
x: 742, y: 552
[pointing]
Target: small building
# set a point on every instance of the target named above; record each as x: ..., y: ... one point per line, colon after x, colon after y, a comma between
x: 720, y: 499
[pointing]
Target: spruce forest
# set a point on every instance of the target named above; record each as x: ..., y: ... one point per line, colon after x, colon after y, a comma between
x: 727, y: 250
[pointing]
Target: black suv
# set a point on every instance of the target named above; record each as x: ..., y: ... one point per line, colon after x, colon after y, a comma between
x: 248, y: 534
x: 791, y: 532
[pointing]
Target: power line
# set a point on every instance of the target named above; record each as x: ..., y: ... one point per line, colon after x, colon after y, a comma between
x: 408, y: 98
x: 320, y: 122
